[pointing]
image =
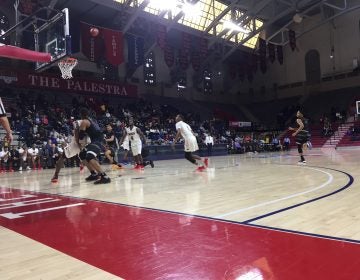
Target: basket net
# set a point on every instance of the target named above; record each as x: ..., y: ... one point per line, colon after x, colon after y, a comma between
x: 66, y: 66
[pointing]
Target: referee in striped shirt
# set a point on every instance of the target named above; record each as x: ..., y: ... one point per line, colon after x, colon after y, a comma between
x: 5, y: 122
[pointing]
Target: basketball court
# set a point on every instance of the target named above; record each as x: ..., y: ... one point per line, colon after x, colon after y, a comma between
x: 252, y: 216
x: 233, y: 221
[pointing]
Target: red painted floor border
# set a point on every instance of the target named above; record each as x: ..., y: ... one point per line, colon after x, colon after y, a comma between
x: 136, y: 243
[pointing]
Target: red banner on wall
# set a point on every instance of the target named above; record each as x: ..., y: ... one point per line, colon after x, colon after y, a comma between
x: 42, y: 81
x: 114, y: 43
x: 92, y: 47
x: 108, y: 44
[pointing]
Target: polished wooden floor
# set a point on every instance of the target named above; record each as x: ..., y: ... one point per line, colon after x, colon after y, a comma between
x: 268, y: 190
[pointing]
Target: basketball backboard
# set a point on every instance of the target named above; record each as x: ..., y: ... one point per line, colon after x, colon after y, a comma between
x: 53, y: 37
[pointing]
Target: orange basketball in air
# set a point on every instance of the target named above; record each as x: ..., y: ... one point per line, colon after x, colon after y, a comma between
x: 94, y: 31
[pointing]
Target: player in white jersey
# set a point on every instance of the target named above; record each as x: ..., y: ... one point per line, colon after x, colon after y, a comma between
x: 126, y: 148
x: 184, y: 130
x: 75, y: 147
x: 135, y: 137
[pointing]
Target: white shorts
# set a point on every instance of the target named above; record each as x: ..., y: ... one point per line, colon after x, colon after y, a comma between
x: 125, y: 145
x: 191, y: 144
x: 136, y: 148
x: 72, y: 149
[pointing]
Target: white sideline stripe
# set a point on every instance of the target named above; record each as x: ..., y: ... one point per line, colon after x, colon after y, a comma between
x: 11, y: 215
x: 330, y: 179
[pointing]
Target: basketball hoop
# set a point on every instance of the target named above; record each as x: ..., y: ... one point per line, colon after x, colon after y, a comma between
x: 66, y: 66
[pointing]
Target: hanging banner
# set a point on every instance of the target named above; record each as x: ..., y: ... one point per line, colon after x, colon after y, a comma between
x: 262, y: 51
x: 135, y: 51
x: 254, y: 62
x: 195, y: 61
x: 271, y: 50
x: 203, y: 48
x: 280, y: 55
x: 186, y: 42
x: 184, y: 52
x: 169, y: 54
x: 114, y: 42
x: 47, y: 82
x: 92, y: 47
x: 161, y: 36
x: 183, y: 59
x: 232, y: 71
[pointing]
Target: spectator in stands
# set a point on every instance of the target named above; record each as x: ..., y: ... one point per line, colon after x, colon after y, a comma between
x: 4, y: 158
x: 14, y: 158
x: 276, y: 143
x: 34, y: 157
x: 286, y: 143
x: 23, y: 152
x: 238, y: 148
x: 209, y: 142
x: 111, y: 146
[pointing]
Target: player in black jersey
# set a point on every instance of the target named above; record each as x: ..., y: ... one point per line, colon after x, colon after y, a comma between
x: 110, y: 148
x: 90, y: 128
x: 75, y: 147
x: 301, y: 134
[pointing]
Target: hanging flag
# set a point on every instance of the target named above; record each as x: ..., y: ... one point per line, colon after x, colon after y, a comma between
x: 232, y: 71
x: 169, y: 54
x: 292, y: 39
x: 135, y: 50
x: 91, y: 46
x: 203, y: 48
x: 184, y: 52
x: 280, y: 54
x: 262, y: 51
x: 161, y: 36
x: 195, y: 61
x: 271, y: 50
x: 114, y: 50
x: 254, y: 62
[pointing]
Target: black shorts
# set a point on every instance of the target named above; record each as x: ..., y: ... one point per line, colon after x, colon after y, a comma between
x: 82, y: 154
x: 95, y: 148
x: 302, y: 137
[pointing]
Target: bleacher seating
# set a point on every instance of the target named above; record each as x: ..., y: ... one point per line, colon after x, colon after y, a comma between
x: 267, y: 112
x: 317, y: 138
x: 352, y: 137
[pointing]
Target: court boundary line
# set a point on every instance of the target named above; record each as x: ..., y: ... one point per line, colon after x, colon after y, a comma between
x: 349, y: 183
x: 244, y: 223
x: 329, y: 181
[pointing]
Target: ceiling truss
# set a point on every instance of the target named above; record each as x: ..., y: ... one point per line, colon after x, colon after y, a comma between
x: 270, y: 19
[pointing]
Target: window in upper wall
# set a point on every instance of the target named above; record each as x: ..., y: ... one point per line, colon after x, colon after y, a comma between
x: 208, y: 86
x: 4, y: 26
x: 149, y: 70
